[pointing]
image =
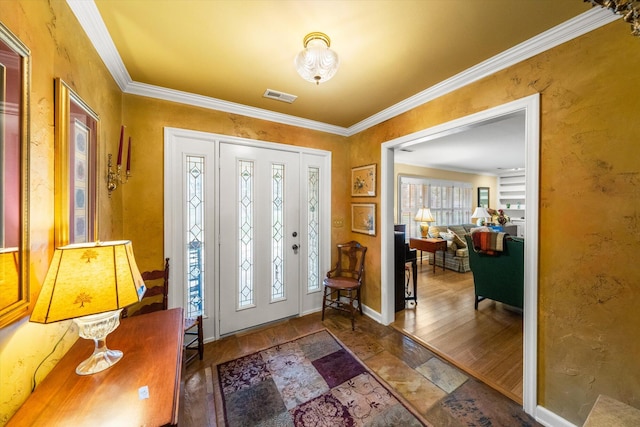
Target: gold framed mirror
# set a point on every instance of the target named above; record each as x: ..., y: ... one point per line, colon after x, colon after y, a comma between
x: 15, y: 68
x: 76, y: 164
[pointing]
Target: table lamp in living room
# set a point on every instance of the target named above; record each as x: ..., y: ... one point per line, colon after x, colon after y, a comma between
x: 91, y: 283
x: 424, y: 217
x: 481, y: 213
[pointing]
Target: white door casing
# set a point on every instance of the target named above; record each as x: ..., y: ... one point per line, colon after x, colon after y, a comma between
x: 531, y: 106
x: 314, y: 218
x: 178, y: 145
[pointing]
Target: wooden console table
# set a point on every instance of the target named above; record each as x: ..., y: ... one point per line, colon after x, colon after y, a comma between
x: 430, y: 245
x: 152, y: 347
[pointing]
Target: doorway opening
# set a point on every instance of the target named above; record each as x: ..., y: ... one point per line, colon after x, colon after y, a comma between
x: 530, y: 106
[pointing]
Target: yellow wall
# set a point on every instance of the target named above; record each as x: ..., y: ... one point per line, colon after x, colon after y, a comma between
x: 58, y: 49
x: 589, y: 283
x: 143, y: 194
x: 589, y: 287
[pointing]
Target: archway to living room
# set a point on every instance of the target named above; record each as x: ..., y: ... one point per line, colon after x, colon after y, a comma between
x: 530, y: 107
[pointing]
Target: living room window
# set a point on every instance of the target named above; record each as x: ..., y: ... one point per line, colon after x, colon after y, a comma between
x: 449, y: 201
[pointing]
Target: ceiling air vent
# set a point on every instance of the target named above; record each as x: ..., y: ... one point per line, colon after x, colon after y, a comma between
x: 279, y: 96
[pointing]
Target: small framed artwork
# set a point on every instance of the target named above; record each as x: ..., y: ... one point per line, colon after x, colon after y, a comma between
x: 363, y: 181
x: 363, y: 218
x: 76, y: 168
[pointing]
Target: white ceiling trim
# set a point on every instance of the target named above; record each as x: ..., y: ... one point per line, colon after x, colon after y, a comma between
x: 573, y: 28
x: 91, y: 21
x: 152, y: 91
x: 89, y: 17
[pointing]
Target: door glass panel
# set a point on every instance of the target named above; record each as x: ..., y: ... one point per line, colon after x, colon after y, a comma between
x: 246, y: 230
x: 195, y: 235
x: 277, y: 232
x: 313, y: 228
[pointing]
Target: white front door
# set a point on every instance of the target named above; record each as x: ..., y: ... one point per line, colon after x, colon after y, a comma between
x: 259, y: 236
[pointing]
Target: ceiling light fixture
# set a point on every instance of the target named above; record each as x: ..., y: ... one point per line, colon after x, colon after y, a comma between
x: 317, y: 63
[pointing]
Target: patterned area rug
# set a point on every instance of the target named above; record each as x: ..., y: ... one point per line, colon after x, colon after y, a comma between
x: 311, y: 381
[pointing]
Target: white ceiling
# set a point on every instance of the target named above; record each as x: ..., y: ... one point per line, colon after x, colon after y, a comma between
x: 491, y: 148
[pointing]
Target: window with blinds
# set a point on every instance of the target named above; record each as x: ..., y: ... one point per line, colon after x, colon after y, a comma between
x: 450, y: 202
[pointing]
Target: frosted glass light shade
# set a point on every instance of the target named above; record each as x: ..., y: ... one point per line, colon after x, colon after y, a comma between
x: 317, y: 63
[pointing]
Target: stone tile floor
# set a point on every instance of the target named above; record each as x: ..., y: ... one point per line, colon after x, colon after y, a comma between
x: 440, y: 392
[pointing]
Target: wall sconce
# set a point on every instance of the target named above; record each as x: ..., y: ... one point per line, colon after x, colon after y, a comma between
x: 114, y: 178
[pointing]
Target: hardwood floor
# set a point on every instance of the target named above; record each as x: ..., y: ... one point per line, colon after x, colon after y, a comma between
x: 486, y: 343
x: 401, y: 361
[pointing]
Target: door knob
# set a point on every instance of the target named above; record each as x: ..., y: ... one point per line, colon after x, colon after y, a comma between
x: 295, y: 248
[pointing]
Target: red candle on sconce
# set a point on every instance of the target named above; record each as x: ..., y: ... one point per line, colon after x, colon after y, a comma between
x: 129, y: 157
x: 119, y: 162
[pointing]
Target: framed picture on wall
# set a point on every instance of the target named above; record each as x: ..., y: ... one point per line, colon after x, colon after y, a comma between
x: 483, y: 197
x: 15, y: 87
x: 363, y: 218
x: 363, y: 181
x: 77, y: 129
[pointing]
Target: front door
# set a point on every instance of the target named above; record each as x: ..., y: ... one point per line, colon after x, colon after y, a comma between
x: 259, y: 236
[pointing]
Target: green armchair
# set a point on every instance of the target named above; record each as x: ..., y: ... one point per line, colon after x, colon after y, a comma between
x: 499, y: 277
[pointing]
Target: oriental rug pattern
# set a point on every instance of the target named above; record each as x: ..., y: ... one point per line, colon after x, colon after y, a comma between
x: 310, y: 381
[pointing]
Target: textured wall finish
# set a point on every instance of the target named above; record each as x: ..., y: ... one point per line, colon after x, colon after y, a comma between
x: 58, y: 49
x: 146, y: 119
x: 589, y: 283
x: 589, y: 186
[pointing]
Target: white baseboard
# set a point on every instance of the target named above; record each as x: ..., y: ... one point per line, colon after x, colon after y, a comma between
x: 311, y: 311
x: 550, y: 419
x: 371, y: 313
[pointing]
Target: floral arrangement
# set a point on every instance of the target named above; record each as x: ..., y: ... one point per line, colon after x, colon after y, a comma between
x: 498, y: 216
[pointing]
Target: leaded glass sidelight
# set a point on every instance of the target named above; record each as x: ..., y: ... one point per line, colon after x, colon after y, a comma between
x: 195, y: 249
x: 246, y: 230
x: 313, y: 230
x: 277, y: 232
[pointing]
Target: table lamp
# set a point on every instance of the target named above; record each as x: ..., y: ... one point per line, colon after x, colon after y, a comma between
x: 91, y: 283
x: 424, y: 217
x: 481, y: 212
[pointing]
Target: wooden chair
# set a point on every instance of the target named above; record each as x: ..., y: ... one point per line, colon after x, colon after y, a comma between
x: 342, y: 284
x: 193, y: 336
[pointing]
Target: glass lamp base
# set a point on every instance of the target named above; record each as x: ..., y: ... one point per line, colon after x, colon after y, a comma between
x: 97, y: 327
x: 99, y: 361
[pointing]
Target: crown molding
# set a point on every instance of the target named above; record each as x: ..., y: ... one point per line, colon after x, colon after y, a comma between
x: 89, y: 17
x: 152, y: 91
x: 573, y: 28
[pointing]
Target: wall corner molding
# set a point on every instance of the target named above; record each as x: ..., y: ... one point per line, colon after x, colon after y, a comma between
x: 89, y: 17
